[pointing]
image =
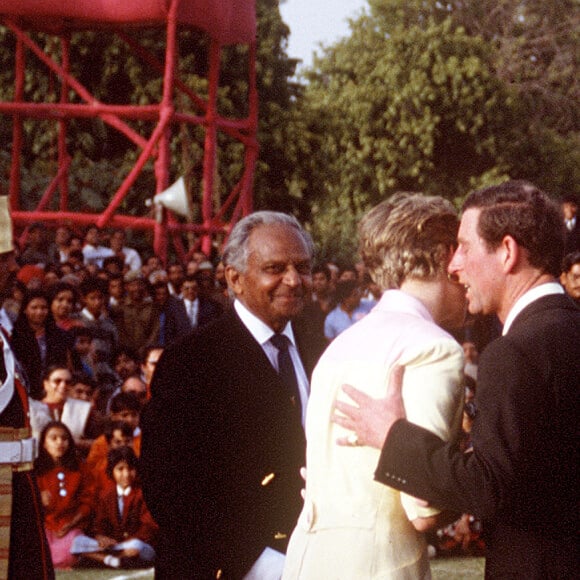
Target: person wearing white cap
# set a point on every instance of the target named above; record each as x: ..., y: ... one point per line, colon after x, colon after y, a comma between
x: 23, y: 548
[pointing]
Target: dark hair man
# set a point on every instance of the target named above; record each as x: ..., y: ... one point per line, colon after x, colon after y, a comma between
x: 199, y: 308
x: 223, y: 440
x: 322, y: 288
x: 570, y: 276
x: 522, y: 477
x: 570, y: 210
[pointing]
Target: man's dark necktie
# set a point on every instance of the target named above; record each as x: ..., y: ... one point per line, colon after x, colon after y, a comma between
x: 286, y: 368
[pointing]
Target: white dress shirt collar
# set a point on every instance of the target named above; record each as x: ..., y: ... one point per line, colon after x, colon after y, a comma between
x: 87, y: 314
x: 258, y: 328
x: 123, y: 492
x: 527, y: 298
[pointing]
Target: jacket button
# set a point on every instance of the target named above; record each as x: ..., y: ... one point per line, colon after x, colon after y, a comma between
x: 268, y: 479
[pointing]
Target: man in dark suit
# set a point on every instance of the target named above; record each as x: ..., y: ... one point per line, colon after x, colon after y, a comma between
x: 522, y: 477
x: 173, y: 319
x: 570, y: 211
x: 200, y: 309
x: 223, y: 439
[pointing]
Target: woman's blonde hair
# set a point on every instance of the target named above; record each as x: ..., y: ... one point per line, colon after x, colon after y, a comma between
x: 407, y: 236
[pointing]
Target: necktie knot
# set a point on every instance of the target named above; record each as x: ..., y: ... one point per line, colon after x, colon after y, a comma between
x: 280, y: 341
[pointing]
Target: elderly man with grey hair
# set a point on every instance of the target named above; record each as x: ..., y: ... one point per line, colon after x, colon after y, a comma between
x: 223, y: 437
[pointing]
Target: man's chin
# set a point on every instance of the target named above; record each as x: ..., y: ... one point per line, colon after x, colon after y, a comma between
x: 473, y: 308
x: 295, y: 311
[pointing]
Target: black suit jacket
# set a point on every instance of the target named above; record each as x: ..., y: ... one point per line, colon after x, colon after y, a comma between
x: 522, y: 477
x: 221, y: 450
x: 176, y: 323
x: 209, y: 310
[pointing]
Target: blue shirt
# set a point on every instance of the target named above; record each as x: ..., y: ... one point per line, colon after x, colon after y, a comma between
x: 338, y: 320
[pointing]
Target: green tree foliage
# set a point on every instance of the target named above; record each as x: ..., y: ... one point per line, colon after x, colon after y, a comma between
x: 276, y: 127
x: 418, y: 98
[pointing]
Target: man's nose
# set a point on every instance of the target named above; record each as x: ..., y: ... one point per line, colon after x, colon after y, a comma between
x: 291, y: 276
x: 454, y: 264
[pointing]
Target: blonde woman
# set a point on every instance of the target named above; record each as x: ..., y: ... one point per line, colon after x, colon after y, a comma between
x: 351, y: 527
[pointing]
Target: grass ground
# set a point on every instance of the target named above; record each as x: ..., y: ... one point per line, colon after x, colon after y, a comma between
x: 441, y: 569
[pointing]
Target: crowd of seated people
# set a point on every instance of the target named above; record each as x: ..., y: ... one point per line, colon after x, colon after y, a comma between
x: 88, y: 319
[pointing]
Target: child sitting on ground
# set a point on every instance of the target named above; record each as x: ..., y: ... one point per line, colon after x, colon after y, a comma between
x: 124, y: 407
x: 124, y: 529
x: 66, y: 491
x: 117, y: 434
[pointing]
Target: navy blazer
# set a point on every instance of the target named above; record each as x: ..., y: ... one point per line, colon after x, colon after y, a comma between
x: 221, y: 450
x: 522, y: 478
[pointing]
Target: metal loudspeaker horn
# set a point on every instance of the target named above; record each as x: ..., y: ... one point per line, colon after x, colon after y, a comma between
x: 174, y: 198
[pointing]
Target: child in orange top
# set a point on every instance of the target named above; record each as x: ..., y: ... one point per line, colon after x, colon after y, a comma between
x: 66, y: 491
x: 124, y: 407
x: 123, y: 529
x: 117, y: 434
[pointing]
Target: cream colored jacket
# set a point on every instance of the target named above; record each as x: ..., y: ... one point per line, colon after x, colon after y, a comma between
x: 352, y: 527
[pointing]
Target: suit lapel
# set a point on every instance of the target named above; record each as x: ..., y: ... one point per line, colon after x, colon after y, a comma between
x: 250, y: 351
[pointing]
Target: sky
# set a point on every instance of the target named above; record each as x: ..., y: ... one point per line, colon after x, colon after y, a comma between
x: 314, y: 21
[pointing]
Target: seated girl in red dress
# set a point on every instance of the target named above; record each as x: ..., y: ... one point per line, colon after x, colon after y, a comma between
x: 66, y: 491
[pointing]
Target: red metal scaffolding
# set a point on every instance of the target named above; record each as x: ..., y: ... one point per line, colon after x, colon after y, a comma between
x: 225, y: 21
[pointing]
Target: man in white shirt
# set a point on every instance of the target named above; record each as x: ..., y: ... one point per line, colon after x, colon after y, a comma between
x: 130, y: 257
x: 93, y: 252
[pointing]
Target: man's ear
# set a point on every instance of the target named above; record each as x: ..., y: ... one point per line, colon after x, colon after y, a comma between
x: 511, y: 254
x: 233, y: 278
